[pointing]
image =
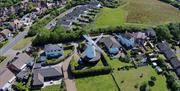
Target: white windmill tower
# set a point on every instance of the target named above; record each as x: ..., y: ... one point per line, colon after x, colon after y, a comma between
x: 92, y: 51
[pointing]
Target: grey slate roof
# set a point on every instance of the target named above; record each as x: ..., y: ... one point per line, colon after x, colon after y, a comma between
x: 22, y: 59
x: 169, y: 54
x: 40, y: 74
x: 110, y: 42
x: 175, y: 63
x: 163, y: 46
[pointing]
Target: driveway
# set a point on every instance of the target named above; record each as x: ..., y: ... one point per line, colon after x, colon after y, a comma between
x: 68, y: 77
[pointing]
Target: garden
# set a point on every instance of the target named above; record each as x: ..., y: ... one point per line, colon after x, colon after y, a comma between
x: 96, y: 83
x: 132, y: 78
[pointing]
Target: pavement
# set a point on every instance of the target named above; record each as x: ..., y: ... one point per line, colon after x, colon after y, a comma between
x: 53, y: 22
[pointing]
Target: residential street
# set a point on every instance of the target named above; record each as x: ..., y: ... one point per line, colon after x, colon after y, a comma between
x: 13, y: 42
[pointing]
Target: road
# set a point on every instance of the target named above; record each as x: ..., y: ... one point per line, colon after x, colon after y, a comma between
x: 13, y: 42
x: 53, y: 22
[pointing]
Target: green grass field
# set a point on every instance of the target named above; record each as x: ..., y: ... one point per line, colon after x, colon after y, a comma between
x: 132, y: 77
x: 110, y: 17
x: 50, y: 88
x: 143, y: 13
x: 96, y: 83
x: 23, y: 43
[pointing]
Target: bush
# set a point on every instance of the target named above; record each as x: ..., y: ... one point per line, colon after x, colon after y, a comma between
x: 19, y: 86
x: 151, y: 83
x: 143, y: 87
x: 153, y: 78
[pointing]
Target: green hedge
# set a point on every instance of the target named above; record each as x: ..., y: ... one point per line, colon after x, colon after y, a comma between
x: 92, y: 71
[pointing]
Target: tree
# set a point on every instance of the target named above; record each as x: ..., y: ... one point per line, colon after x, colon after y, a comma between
x: 163, y: 33
x: 143, y: 87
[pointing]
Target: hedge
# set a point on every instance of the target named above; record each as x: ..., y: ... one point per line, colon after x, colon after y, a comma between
x: 93, y: 71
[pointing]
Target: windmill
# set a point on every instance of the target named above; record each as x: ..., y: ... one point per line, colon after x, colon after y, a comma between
x: 92, y: 52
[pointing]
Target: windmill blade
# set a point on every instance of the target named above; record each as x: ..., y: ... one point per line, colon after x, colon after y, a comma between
x: 98, y: 48
x: 99, y: 37
x: 88, y: 38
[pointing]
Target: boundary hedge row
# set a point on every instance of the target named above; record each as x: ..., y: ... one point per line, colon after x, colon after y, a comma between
x: 93, y: 71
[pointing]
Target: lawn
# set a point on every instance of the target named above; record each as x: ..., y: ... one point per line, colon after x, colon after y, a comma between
x: 50, y: 88
x: 142, y: 13
x: 132, y: 77
x: 96, y: 83
x: 110, y: 17
x: 23, y: 43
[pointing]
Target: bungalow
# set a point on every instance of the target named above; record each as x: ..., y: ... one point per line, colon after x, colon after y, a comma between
x: 53, y: 50
x: 19, y: 62
x: 6, y: 33
x: 6, y: 79
x: 111, y: 44
x: 45, y: 75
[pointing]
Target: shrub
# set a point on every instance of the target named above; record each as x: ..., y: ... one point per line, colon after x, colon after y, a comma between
x: 151, y: 83
x: 143, y: 87
x: 153, y: 78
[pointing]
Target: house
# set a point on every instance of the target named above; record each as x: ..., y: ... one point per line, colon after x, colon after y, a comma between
x: 53, y: 50
x: 15, y: 25
x: 20, y: 62
x: 6, y: 79
x: 45, y: 75
x: 126, y: 39
x: 111, y: 44
x: 6, y: 33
